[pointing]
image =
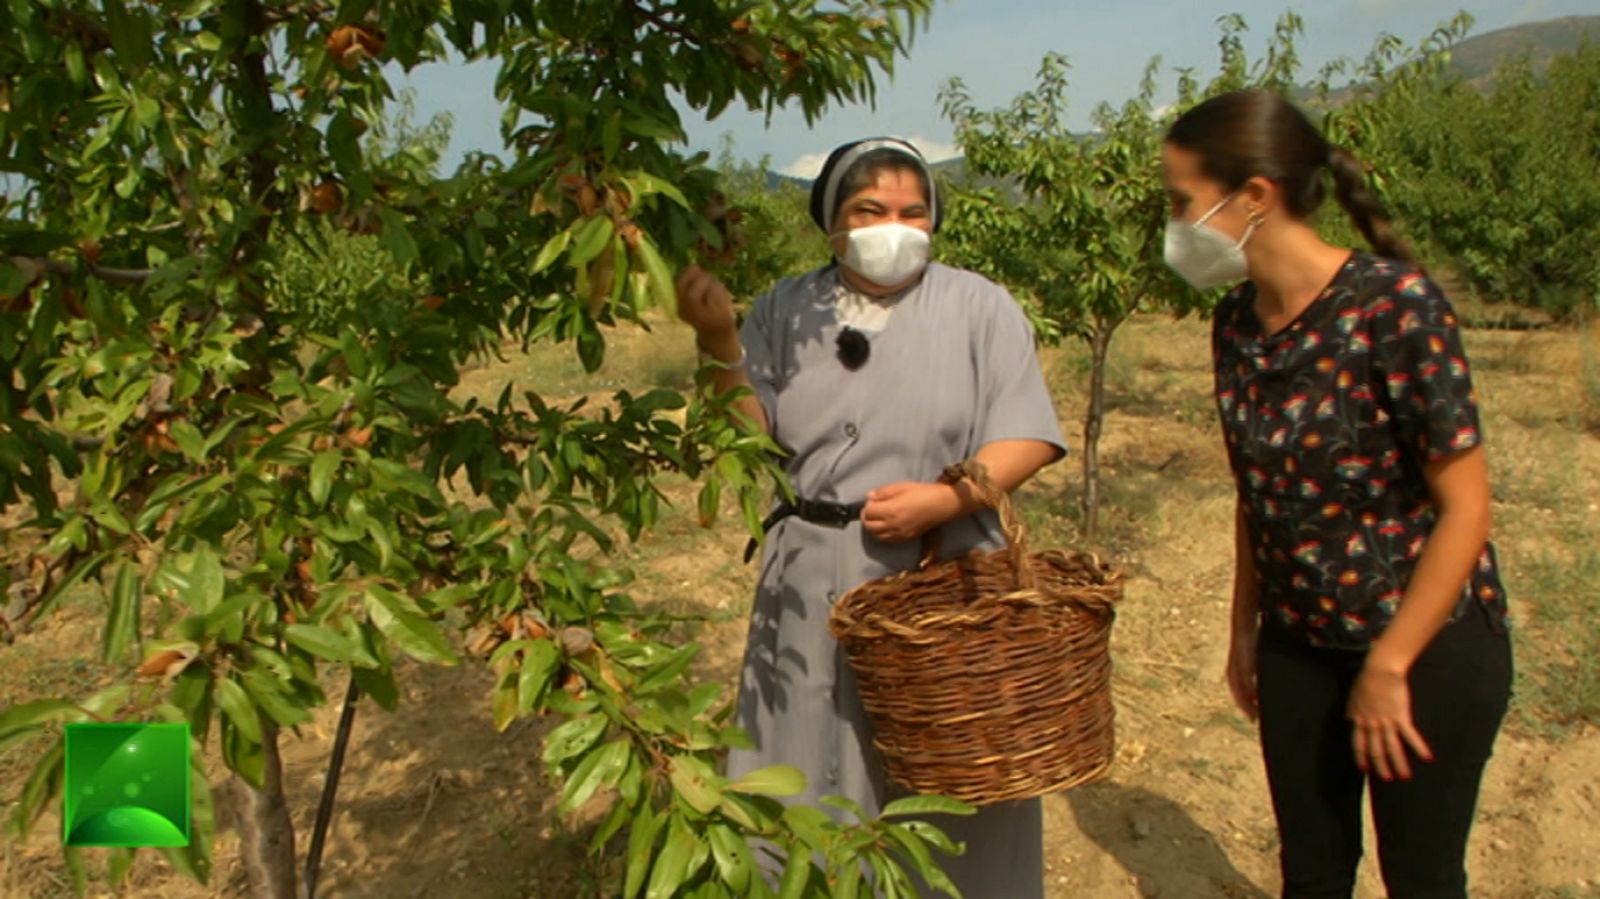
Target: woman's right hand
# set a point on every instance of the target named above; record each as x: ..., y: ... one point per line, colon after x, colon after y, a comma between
x: 706, y: 305
x: 1242, y: 672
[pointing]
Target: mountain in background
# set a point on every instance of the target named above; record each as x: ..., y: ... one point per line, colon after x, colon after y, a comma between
x: 955, y: 168
x: 1476, y: 58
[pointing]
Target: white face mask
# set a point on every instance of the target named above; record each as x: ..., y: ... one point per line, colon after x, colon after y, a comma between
x: 1204, y: 256
x: 887, y: 254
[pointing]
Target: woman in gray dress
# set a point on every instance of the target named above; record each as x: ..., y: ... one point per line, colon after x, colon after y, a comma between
x: 873, y: 373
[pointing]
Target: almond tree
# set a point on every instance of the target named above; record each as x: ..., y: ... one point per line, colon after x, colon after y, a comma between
x: 1076, y: 225
x: 1494, y: 180
x: 261, y: 491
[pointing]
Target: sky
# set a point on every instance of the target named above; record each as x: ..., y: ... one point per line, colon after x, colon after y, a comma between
x: 995, y: 47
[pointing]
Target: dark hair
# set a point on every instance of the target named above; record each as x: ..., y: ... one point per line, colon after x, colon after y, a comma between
x: 863, y: 174
x: 855, y: 166
x: 1243, y: 134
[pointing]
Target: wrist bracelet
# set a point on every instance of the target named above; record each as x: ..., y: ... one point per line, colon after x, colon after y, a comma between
x: 707, y: 354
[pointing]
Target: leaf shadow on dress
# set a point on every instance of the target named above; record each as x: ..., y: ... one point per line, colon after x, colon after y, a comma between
x: 1154, y: 838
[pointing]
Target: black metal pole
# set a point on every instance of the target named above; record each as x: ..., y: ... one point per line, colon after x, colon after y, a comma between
x: 330, y: 786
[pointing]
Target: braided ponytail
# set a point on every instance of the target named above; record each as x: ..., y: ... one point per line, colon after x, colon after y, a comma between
x: 1244, y: 134
x: 1366, y: 213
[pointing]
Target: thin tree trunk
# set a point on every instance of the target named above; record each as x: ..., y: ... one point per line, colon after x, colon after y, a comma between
x: 266, y: 835
x: 1099, y: 346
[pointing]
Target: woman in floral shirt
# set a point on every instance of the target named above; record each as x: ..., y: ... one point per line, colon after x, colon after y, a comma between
x: 1369, y: 622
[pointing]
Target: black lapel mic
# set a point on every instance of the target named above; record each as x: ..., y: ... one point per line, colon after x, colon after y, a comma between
x: 854, y: 348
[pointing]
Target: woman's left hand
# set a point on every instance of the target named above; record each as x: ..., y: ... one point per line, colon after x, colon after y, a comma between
x: 1380, y: 710
x: 905, y: 511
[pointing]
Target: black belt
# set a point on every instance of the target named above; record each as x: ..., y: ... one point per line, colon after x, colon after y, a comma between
x: 836, y: 515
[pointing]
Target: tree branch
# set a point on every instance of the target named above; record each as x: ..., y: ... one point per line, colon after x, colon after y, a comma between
x: 655, y: 18
x: 35, y: 267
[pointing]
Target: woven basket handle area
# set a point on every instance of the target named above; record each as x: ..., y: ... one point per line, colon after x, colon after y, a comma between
x: 1016, y: 534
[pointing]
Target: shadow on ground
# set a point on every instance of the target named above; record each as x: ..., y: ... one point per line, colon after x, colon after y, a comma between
x: 1156, y: 840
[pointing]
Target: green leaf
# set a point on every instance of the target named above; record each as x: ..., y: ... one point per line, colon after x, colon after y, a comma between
x: 631, y: 782
x: 119, y: 861
x: 189, y: 440
x: 551, y: 251
x: 82, y: 570
x: 709, y: 503
x: 192, y: 695
x: 9, y: 738
x: 12, y: 280
x: 653, y: 185
x: 796, y: 873
x: 934, y: 837
x: 694, y: 780
x: 240, y: 710
x: 326, y: 643
x: 379, y: 684
x: 39, y: 711
x: 270, y: 696
x: 243, y: 755
x: 70, y: 535
x: 448, y: 597
x: 322, y: 471
x: 747, y: 813
x: 397, y: 237
x: 732, y: 855
x: 641, y: 848
x: 197, y: 577
x: 662, y: 289
x: 846, y: 804
x: 673, y: 862
x: 77, y: 869
x: 597, y: 769
x: 926, y: 805
x: 122, y: 625
x: 416, y: 636
x: 611, y: 135
x: 106, y: 703
x: 810, y: 824
x: 923, y: 861
x: 226, y: 621
x: 503, y: 704
x: 41, y: 786
x: 669, y: 671
x: 621, y: 813
x: 592, y: 237
x: 773, y: 780
x: 539, y: 665
x: 848, y: 886
x: 572, y: 738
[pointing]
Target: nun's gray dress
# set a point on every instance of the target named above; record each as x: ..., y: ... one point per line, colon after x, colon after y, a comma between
x: 953, y: 369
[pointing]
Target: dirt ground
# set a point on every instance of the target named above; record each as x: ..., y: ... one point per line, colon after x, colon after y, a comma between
x: 435, y: 803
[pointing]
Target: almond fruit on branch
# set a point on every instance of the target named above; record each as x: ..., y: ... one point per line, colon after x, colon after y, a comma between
x: 350, y: 44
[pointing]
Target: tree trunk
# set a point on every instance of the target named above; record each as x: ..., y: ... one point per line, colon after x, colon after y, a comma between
x: 266, y: 835
x: 1099, y: 346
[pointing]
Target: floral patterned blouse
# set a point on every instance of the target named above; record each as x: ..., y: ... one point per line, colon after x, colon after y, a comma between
x: 1328, y: 423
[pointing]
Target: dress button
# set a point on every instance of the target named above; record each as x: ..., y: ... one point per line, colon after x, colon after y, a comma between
x: 850, y: 430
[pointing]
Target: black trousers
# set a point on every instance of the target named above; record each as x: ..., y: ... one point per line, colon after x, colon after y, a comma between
x: 1459, y: 689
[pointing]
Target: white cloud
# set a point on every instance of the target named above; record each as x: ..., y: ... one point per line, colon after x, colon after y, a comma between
x: 810, y: 165
x: 807, y: 166
x: 934, y: 150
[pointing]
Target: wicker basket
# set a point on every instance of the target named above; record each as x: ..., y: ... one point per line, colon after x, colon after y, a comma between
x: 987, y: 677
